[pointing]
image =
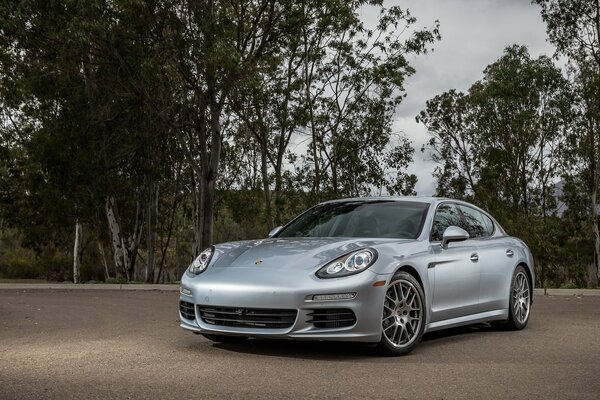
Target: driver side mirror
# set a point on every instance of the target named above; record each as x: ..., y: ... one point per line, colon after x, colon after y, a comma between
x: 275, y: 231
x: 453, y: 234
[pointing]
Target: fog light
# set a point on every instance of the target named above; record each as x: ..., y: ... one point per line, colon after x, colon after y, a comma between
x: 333, y: 297
x: 185, y: 291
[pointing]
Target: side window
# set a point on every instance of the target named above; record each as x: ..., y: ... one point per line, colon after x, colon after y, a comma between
x: 476, y: 222
x: 446, y: 215
x: 489, y: 225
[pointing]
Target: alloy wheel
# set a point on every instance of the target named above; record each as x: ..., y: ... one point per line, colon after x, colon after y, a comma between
x: 521, y: 297
x: 402, y: 313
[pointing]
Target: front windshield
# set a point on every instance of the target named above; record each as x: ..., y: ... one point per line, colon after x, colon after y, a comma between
x: 364, y: 219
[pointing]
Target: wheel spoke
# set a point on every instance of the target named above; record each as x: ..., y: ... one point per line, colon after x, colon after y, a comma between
x: 399, y: 292
x: 395, y: 332
x: 412, y: 299
x: 401, y: 334
x: 410, y: 329
x: 405, y: 292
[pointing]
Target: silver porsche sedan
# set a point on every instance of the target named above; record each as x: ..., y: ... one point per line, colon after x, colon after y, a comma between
x: 377, y: 270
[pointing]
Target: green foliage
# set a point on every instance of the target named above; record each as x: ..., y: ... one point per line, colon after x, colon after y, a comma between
x: 504, y: 145
x: 574, y: 28
x: 17, y: 261
x: 237, y: 115
x: 152, y: 120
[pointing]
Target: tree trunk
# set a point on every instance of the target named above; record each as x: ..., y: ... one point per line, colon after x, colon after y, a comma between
x: 77, y: 252
x: 165, y: 247
x: 118, y: 244
x: 207, y: 196
x: 134, y: 240
x: 149, y: 272
x: 210, y: 166
x: 309, y: 103
x: 104, y: 263
x: 196, y: 246
x: 265, y: 178
x: 595, y: 230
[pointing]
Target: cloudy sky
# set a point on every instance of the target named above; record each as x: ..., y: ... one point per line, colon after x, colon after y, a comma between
x: 474, y: 34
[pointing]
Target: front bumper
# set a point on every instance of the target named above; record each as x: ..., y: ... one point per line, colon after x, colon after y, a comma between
x: 262, y: 292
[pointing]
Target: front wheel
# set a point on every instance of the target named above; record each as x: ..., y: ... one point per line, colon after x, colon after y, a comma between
x: 403, y: 319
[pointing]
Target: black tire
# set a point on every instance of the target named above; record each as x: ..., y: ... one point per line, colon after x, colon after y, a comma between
x: 516, y: 319
x: 516, y: 322
x: 225, y: 338
x: 396, y: 317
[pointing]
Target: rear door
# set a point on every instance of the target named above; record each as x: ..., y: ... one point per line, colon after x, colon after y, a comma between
x: 455, y: 270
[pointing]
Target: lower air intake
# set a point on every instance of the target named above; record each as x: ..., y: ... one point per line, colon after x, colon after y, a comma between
x: 187, y: 310
x: 266, y: 318
x: 331, y: 318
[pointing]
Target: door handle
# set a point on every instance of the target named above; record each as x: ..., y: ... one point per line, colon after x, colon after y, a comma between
x: 474, y: 257
x: 509, y: 253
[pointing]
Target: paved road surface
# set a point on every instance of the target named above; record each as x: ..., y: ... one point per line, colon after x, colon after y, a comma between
x: 108, y: 344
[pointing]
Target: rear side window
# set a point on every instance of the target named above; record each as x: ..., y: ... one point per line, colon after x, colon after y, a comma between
x: 477, y: 224
x: 446, y: 215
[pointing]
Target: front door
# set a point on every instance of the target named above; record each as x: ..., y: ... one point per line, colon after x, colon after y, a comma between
x: 456, y: 270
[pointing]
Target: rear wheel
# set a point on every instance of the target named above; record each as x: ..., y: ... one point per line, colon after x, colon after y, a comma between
x: 224, y: 338
x: 403, y: 319
x: 520, y: 300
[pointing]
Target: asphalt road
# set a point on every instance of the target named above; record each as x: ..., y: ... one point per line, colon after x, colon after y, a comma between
x: 108, y: 344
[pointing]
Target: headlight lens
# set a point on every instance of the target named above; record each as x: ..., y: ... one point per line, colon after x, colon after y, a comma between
x: 348, y: 264
x: 201, y: 262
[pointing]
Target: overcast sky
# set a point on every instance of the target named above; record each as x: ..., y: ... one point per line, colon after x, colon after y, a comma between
x: 474, y: 34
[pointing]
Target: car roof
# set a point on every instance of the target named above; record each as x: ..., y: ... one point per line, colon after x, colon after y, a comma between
x: 420, y: 199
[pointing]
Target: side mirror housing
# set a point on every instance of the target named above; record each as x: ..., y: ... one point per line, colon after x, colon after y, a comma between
x: 275, y: 231
x: 453, y: 234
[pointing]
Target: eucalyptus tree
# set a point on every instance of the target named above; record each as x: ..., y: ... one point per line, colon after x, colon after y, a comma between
x: 521, y: 114
x: 70, y: 65
x: 500, y: 142
x: 210, y: 47
x: 574, y: 28
x: 353, y: 83
x: 271, y: 110
x: 448, y: 119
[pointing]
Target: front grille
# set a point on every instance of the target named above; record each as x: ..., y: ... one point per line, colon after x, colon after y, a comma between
x: 187, y: 310
x: 248, y: 317
x: 332, y: 317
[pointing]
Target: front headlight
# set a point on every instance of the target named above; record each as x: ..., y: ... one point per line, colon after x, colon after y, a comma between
x: 202, y: 261
x: 349, y: 264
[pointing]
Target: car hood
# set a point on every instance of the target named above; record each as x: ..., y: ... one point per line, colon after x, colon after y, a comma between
x: 290, y: 253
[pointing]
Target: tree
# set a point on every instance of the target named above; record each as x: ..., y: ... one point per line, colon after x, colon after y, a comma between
x: 574, y: 27
x: 508, y: 129
x: 521, y: 109
x: 353, y: 86
x: 448, y: 117
x: 211, y: 47
x: 91, y: 132
x: 501, y: 144
x: 140, y: 122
